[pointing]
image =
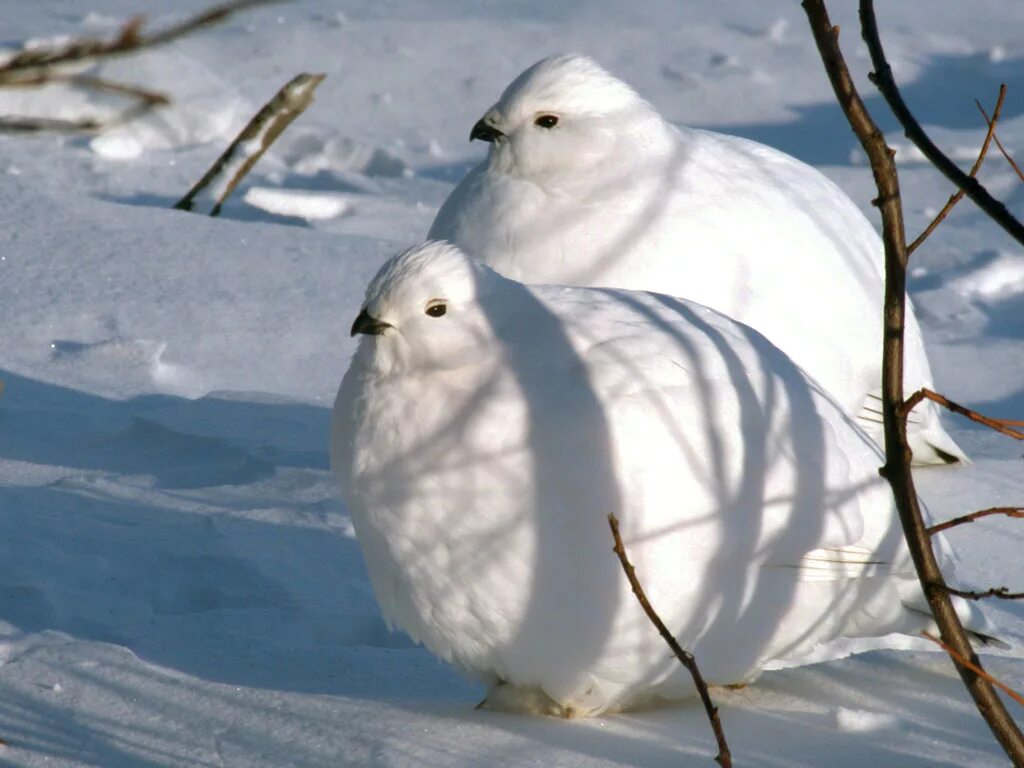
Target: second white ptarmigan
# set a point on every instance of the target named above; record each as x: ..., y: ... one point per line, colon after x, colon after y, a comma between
x: 586, y: 184
x: 486, y: 429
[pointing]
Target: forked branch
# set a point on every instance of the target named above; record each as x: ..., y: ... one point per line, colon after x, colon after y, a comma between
x: 999, y: 144
x: 129, y: 40
x: 882, y: 78
x: 897, y: 452
x: 43, y: 65
x: 957, y: 196
x: 724, y: 757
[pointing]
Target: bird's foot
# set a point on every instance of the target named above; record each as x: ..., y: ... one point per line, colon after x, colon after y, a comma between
x: 524, y: 699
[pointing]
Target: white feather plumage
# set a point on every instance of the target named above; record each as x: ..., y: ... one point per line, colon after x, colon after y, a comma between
x: 613, y: 195
x: 479, y: 453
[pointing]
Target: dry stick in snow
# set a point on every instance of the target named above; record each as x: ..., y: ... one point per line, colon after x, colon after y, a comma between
x: 724, y: 758
x: 977, y: 670
x: 248, y: 147
x: 958, y: 195
x: 1008, y: 511
x: 897, y: 452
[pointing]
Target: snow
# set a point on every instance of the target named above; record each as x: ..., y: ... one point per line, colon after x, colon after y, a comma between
x: 179, y: 582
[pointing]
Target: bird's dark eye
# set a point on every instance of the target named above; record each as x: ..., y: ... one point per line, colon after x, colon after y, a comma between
x: 546, y: 121
x: 437, y: 309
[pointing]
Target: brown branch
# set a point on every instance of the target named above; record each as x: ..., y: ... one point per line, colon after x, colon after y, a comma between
x: 129, y: 39
x: 238, y: 159
x: 145, y: 100
x: 1001, y: 592
x: 897, y: 452
x: 39, y: 66
x: 957, y: 196
x: 886, y: 84
x: 724, y: 757
x: 999, y: 425
x: 977, y: 670
x: 1008, y: 511
x: 999, y: 144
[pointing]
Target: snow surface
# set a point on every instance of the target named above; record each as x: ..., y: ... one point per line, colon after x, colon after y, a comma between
x: 179, y: 583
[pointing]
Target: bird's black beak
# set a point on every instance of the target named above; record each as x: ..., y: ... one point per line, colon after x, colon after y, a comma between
x: 366, y: 324
x: 485, y: 132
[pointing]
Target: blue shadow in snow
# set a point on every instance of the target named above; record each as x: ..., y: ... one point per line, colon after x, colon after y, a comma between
x: 943, y: 95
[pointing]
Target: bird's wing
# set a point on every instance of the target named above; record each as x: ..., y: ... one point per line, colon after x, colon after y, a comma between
x: 722, y: 432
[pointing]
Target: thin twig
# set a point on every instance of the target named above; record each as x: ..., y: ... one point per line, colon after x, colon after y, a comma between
x: 1003, y: 593
x: 128, y: 40
x: 999, y: 144
x: 92, y: 83
x: 724, y: 757
x: 999, y: 425
x: 102, y: 85
x: 883, y: 79
x: 897, y: 452
x: 40, y: 124
x: 977, y: 670
x: 40, y: 66
x: 957, y: 196
x: 238, y: 159
x: 144, y: 98
x: 1008, y: 511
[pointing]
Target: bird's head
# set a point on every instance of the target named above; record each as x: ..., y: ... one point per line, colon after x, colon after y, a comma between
x: 423, y: 311
x: 565, y: 115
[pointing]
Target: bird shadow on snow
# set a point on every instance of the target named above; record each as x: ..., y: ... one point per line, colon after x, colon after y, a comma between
x: 942, y: 95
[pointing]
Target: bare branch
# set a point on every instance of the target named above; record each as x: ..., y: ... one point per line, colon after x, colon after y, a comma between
x: 1000, y: 592
x: 999, y: 425
x: 957, y: 196
x: 897, y: 452
x: 145, y: 100
x: 1008, y: 511
x: 977, y: 670
x: 248, y: 147
x: 40, y: 66
x: 883, y: 79
x: 999, y: 144
x: 129, y: 39
x: 724, y: 757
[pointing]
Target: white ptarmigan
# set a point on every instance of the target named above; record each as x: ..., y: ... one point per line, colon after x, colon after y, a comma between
x: 586, y: 184
x: 486, y: 429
